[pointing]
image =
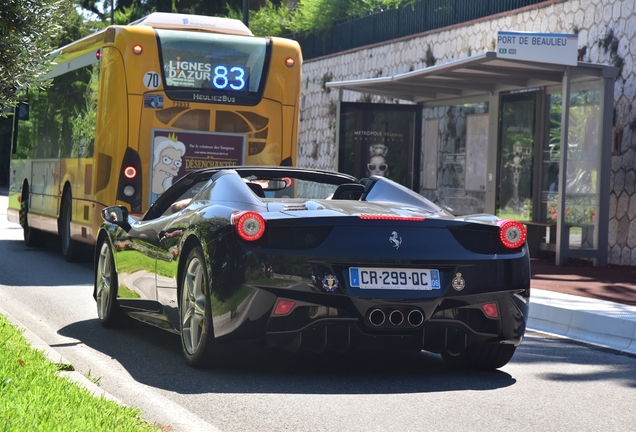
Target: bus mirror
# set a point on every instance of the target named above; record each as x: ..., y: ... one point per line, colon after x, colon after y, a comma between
x: 23, y: 111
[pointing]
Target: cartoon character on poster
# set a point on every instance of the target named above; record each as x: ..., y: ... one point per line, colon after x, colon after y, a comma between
x: 168, y: 154
x: 377, y: 160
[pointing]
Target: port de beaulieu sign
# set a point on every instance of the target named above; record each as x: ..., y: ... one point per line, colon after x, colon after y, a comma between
x: 539, y: 47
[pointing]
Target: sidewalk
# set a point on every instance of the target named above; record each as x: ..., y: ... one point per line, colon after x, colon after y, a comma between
x: 596, y: 305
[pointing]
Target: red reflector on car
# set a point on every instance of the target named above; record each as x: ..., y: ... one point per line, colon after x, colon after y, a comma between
x: 130, y: 172
x: 391, y: 217
x: 248, y: 225
x: 511, y: 233
x: 491, y: 310
x: 283, y: 307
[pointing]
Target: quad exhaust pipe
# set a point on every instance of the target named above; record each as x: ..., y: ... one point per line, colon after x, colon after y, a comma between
x: 378, y: 317
x: 396, y: 317
x: 415, y: 318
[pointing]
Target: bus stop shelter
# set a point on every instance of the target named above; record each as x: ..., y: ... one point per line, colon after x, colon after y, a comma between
x: 579, y: 204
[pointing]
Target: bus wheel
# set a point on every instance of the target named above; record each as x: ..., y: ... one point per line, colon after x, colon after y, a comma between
x: 70, y: 248
x: 32, y: 237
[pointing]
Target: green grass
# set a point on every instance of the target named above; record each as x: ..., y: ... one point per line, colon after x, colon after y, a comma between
x: 34, y: 397
x: 219, y: 308
x: 128, y: 261
x: 124, y: 292
x: 511, y: 215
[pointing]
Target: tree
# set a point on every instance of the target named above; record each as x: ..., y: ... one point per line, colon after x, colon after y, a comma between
x: 130, y: 9
x: 270, y: 19
x: 27, y: 30
x: 287, y: 17
x: 312, y: 15
x: 104, y: 12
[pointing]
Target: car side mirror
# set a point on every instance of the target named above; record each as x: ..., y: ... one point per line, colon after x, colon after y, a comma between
x: 115, y: 214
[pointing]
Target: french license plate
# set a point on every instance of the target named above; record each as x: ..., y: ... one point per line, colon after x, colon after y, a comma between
x: 394, y: 278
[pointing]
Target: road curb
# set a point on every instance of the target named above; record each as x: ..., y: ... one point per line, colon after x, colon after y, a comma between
x: 58, y: 359
x: 597, y: 322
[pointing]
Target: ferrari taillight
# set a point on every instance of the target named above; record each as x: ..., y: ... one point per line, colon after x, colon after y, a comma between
x: 511, y: 233
x: 248, y: 225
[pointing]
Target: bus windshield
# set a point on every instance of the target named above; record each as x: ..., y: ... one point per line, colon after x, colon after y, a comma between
x: 217, y: 62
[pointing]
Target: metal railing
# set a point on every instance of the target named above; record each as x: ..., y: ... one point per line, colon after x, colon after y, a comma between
x: 417, y: 17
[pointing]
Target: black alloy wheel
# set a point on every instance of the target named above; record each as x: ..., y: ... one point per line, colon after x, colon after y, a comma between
x: 197, y: 332
x: 106, y: 285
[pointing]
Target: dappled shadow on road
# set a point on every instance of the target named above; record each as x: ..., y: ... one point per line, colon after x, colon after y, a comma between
x: 153, y: 357
x: 596, y: 364
x: 40, y: 263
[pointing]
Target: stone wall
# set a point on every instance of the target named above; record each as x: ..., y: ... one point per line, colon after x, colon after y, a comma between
x: 605, y: 28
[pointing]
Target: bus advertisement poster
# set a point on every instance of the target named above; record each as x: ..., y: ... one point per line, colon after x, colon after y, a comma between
x: 378, y: 139
x: 177, y: 152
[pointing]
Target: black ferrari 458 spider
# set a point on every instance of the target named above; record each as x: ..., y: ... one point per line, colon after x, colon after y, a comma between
x: 314, y: 260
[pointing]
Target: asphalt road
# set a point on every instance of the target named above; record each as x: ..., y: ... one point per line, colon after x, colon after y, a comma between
x: 550, y: 384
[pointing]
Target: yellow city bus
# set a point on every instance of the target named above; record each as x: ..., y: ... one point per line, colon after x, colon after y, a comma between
x: 133, y: 108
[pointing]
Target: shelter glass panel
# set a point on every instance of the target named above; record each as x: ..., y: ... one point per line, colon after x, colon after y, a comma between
x: 551, y: 153
x: 454, y: 157
x: 516, y: 158
x: 582, y: 195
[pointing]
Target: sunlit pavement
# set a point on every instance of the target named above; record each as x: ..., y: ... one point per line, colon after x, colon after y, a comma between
x: 598, y: 322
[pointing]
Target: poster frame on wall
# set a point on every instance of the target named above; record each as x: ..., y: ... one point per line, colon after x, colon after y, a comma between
x: 364, y: 141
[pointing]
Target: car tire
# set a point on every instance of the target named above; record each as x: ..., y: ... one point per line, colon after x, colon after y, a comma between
x: 106, y: 284
x: 195, y: 312
x: 71, y: 249
x: 484, y: 356
x: 32, y: 237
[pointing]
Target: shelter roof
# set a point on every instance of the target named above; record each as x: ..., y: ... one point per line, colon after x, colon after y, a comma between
x: 478, y: 75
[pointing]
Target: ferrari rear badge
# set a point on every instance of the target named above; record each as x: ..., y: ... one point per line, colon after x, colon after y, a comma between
x: 330, y: 283
x: 458, y: 282
x: 395, y: 240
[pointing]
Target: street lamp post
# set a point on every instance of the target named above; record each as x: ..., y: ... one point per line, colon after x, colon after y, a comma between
x: 246, y: 12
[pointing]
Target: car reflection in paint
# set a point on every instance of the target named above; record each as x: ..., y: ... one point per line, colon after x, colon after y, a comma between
x: 307, y: 260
